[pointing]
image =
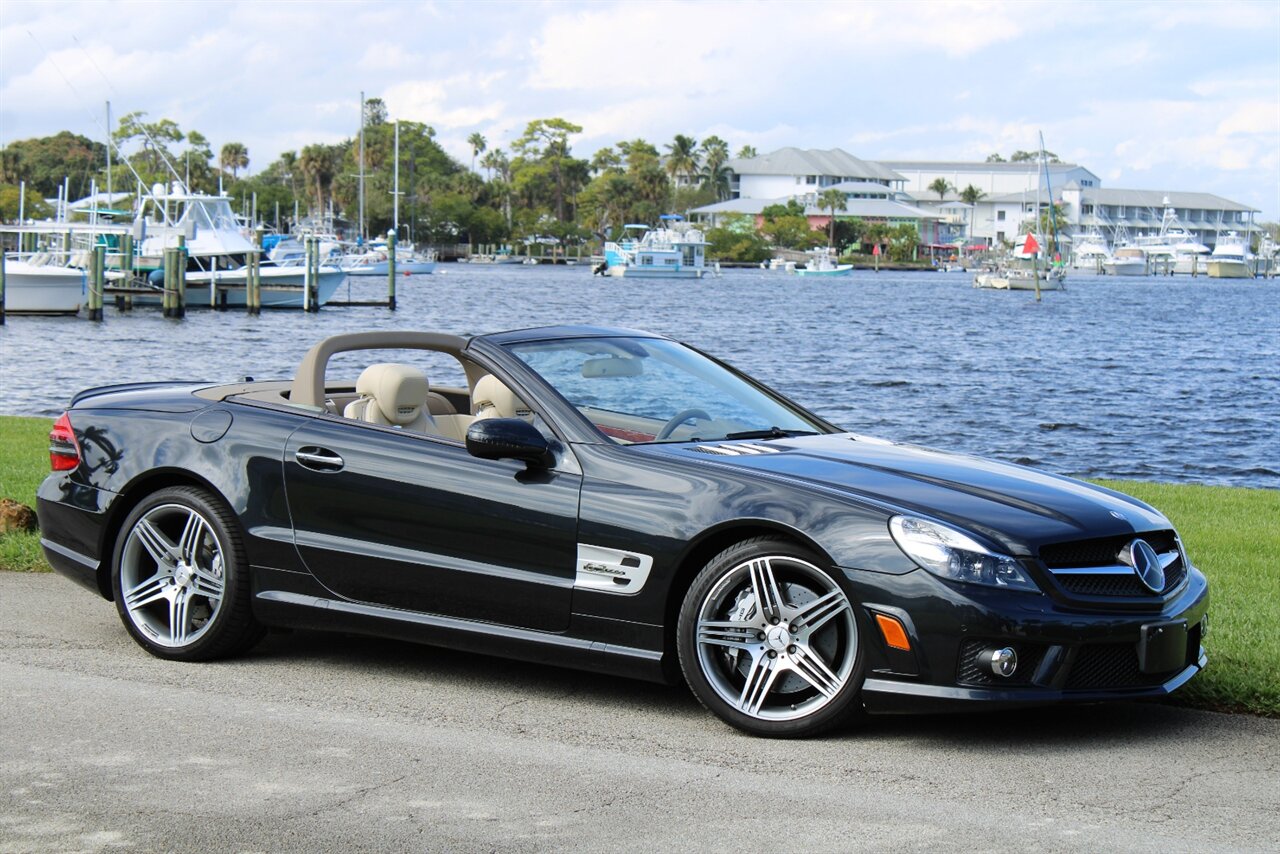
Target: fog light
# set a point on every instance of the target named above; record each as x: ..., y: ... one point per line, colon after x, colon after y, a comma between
x: 1003, y: 662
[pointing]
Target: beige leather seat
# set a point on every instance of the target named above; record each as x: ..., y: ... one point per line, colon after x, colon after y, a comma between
x: 492, y: 399
x: 397, y: 395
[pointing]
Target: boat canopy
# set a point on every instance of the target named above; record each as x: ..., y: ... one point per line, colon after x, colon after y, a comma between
x: 675, y: 217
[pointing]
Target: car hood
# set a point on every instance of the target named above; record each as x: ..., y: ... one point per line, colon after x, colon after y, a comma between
x: 1017, y: 507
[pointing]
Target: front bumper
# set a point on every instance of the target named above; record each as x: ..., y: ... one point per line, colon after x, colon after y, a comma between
x: 1067, y: 652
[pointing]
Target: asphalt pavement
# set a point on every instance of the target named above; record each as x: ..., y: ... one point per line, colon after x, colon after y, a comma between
x: 319, y: 742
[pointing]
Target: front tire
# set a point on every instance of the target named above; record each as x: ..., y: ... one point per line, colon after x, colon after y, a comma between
x: 769, y: 642
x: 180, y: 577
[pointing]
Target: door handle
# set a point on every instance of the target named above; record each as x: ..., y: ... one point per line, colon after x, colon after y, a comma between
x: 318, y: 459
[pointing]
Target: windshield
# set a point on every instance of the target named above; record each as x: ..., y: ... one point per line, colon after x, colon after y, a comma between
x: 652, y: 390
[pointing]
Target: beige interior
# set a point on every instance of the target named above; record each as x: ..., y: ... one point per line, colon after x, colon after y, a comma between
x: 492, y: 399
x: 399, y: 395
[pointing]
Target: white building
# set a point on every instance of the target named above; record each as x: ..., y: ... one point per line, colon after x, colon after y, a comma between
x: 1008, y: 203
x: 993, y: 179
x: 872, y: 192
x: 791, y: 172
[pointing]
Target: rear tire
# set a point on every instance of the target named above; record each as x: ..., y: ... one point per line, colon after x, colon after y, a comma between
x: 180, y: 577
x: 769, y: 641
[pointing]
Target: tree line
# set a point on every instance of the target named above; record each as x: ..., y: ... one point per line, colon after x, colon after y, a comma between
x: 535, y: 187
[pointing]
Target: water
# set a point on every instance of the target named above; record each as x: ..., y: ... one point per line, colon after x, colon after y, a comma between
x: 1163, y: 379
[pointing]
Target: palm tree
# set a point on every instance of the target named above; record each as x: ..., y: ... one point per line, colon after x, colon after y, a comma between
x: 289, y: 166
x: 490, y: 162
x: 832, y: 200
x: 747, y: 152
x: 940, y: 186
x: 971, y: 194
x: 682, y: 159
x: 317, y: 163
x: 234, y: 156
x: 477, y: 142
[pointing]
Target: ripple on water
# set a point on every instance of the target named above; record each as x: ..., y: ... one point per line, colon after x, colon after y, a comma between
x: 1189, y: 392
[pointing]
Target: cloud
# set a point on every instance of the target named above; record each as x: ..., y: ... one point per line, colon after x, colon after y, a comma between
x: 430, y: 101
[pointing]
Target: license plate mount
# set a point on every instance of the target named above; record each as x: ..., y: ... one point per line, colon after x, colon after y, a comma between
x: 1162, y: 647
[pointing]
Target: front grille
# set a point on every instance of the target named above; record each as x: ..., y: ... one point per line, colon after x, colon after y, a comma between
x: 973, y: 672
x: 1119, y: 585
x: 1113, y: 665
x: 1103, y: 551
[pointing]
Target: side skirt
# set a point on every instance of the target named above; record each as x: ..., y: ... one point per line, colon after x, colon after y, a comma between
x: 299, y: 610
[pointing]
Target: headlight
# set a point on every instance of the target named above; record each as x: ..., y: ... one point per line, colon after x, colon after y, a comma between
x: 955, y: 556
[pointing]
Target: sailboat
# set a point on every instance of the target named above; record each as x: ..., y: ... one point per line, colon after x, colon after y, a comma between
x: 375, y: 260
x: 1022, y: 271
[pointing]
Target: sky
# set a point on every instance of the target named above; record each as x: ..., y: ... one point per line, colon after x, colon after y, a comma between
x: 1163, y: 95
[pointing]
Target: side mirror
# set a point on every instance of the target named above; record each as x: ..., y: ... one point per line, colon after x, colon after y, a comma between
x: 508, y: 439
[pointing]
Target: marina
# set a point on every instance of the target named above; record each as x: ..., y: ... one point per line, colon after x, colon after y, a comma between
x: 1188, y: 393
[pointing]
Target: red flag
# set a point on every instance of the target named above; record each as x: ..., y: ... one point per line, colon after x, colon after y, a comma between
x: 876, y: 249
x: 1031, y: 247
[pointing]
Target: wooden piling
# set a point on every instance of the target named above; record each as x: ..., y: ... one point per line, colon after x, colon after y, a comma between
x: 97, y: 281
x: 253, y: 293
x: 310, y: 295
x: 180, y: 306
x: 125, y: 301
x: 166, y: 296
x: 2, y: 265
x: 391, y: 270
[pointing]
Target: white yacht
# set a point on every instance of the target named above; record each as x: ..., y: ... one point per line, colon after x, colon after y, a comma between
x: 1126, y: 261
x: 661, y: 253
x: 39, y: 284
x: 216, y: 249
x: 1091, y: 252
x: 1231, y: 258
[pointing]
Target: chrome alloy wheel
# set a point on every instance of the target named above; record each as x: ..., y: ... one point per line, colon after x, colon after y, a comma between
x: 172, y: 578
x: 776, y: 638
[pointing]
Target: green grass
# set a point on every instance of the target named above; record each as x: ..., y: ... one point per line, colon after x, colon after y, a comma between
x: 24, y: 462
x: 1233, y: 535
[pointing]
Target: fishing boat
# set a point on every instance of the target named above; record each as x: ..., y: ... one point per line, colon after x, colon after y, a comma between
x: 665, y: 252
x: 1126, y: 261
x: 1230, y: 258
x: 38, y: 285
x: 216, y: 252
x: 1091, y: 252
x: 821, y: 263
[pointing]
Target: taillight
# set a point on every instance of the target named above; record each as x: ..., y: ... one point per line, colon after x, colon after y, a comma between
x: 64, y: 450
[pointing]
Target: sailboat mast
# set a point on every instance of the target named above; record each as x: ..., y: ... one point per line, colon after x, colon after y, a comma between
x: 108, y: 152
x: 362, y: 235
x: 395, y: 193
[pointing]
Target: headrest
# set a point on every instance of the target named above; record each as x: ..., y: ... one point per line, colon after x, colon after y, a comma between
x: 399, y: 390
x: 491, y: 394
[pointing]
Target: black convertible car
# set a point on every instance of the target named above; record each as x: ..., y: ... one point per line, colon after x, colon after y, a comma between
x: 619, y: 502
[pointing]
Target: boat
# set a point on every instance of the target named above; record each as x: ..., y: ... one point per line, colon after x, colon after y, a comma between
x: 665, y: 252
x: 1189, y: 258
x: 1020, y: 274
x: 1126, y: 261
x: 35, y: 285
x: 376, y: 262
x: 1173, y: 249
x: 216, y: 251
x: 1230, y: 258
x: 1091, y: 252
x: 821, y: 263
